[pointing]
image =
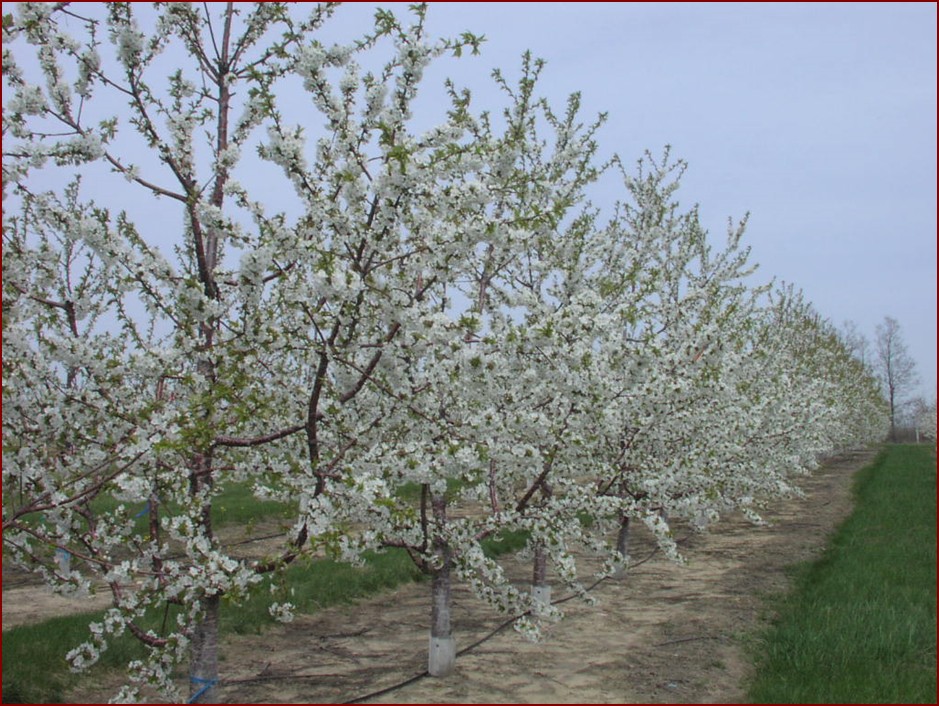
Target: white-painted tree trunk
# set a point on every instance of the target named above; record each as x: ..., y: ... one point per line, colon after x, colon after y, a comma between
x: 64, y: 559
x: 540, y: 588
x: 622, y: 546
x: 203, y: 656
x: 441, y: 655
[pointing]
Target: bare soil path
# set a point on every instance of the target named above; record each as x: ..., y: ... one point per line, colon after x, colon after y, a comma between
x: 664, y: 634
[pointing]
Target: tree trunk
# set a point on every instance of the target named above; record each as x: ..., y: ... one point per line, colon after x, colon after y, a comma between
x: 540, y: 588
x: 893, y: 416
x: 64, y: 560
x: 442, y: 653
x: 203, y: 655
x: 203, y: 650
x: 622, y: 545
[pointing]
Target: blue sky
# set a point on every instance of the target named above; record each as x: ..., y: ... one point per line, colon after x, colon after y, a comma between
x: 817, y: 118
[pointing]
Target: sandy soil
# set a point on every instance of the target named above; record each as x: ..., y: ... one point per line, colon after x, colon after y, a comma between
x: 664, y: 634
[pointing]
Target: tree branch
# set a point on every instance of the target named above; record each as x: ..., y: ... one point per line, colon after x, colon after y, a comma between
x: 257, y: 440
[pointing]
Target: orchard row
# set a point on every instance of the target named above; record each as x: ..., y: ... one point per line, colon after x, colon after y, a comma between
x: 238, y: 254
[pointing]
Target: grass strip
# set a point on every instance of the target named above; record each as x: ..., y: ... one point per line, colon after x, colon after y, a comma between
x: 860, y: 624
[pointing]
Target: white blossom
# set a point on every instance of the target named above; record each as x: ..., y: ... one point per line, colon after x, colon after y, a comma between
x: 282, y: 612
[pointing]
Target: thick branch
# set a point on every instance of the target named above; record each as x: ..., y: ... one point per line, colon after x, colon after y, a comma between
x: 257, y: 440
x: 539, y: 481
x: 370, y: 368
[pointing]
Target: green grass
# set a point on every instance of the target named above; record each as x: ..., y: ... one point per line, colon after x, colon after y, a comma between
x: 410, y: 491
x: 34, y: 668
x: 317, y: 584
x: 234, y: 505
x: 860, y: 625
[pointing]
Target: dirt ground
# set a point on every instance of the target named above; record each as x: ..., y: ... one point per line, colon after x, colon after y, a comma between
x: 663, y: 634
